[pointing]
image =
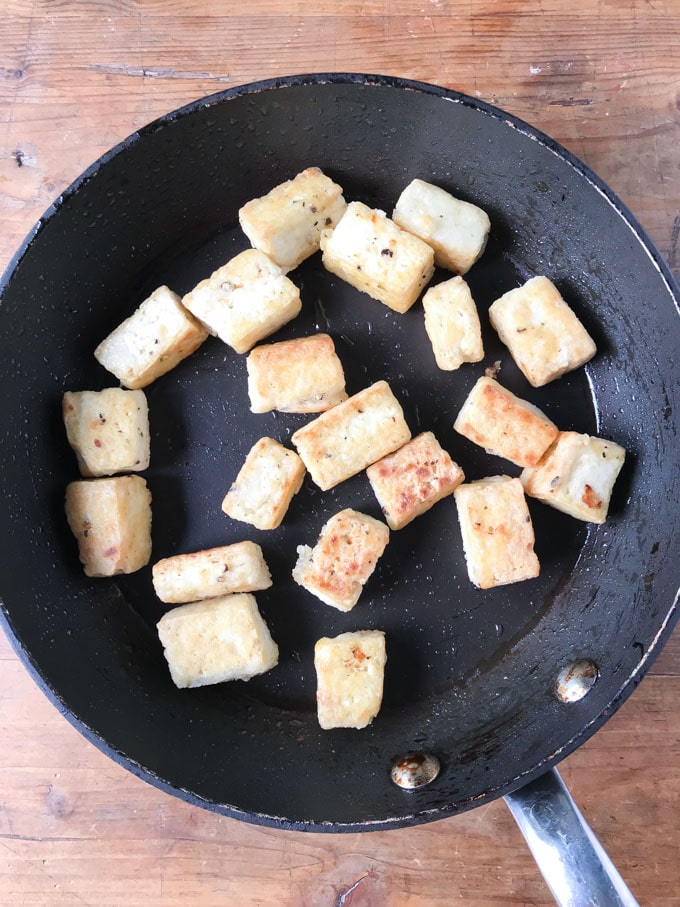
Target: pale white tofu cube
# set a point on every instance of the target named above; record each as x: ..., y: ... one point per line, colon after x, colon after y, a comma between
x: 411, y: 481
x: 211, y: 573
x: 576, y: 475
x: 544, y: 335
x: 456, y: 230
x: 216, y: 640
x: 286, y: 223
x: 505, y: 425
x: 295, y: 376
x: 498, y: 537
x: 373, y: 254
x: 452, y: 324
x: 153, y: 340
x: 348, y: 438
x: 263, y: 489
x: 108, y: 430
x: 350, y: 671
x: 343, y: 559
x: 245, y: 300
x: 111, y: 520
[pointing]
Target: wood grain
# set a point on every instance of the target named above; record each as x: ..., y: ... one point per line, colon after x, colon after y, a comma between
x: 76, y: 78
x: 76, y: 828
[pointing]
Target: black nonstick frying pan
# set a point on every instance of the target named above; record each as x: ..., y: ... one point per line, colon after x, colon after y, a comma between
x: 472, y: 676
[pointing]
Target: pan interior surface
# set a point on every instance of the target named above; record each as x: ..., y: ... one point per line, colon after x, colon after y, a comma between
x: 470, y: 674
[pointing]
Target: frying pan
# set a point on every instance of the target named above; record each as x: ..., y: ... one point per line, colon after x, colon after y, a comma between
x: 472, y: 676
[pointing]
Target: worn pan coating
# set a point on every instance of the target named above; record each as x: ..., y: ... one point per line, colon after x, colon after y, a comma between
x: 470, y: 675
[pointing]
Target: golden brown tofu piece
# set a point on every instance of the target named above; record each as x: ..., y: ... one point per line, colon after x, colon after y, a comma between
x: 504, y: 425
x: 108, y: 430
x: 352, y: 435
x: 295, y: 376
x: 265, y: 486
x: 350, y: 673
x: 343, y: 559
x: 373, y: 254
x: 452, y: 324
x: 407, y: 483
x: 456, y: 230
x: 152, y: 341
x: 245, y: 300
x: 498, y: 538
x: 286, y: 223
x: 211, y: 573
x: 111, y: 520
x: 217, y: 640
x: 544, y: 335
x: 576, y: 475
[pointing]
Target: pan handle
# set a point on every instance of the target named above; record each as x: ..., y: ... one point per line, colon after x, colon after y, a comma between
x: 573, y: 862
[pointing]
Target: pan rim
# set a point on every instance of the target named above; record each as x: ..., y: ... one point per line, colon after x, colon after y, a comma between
x: 621, y: 210
x: 346, y: 78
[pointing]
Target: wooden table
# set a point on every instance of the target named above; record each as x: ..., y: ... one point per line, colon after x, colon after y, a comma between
x: 76, y: 77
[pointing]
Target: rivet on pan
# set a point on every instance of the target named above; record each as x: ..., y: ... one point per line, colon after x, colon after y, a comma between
x: 575, y: 680
x: 414, y: 770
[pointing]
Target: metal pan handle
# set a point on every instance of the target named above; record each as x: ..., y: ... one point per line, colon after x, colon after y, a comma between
x: 573, y: 862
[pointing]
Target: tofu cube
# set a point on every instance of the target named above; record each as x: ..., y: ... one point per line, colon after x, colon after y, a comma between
x: 295, y: 376
x: 576, y: 475
x: 343, y: 559
x: 350, y: 671
x: 111, y: 520
x: 373, y: 254
x: 153, y: 340
x: 245, y: 300
x: 543, y: 334
x: 108, y: 430
x: 211, y: 573
x: 348, y: 438
x: 286, y: 223
x: 217, y: 640
x: 505, y: 425
x: 264, y: 488
x: 456, y: 230
x: 410, y: 481
x: 498, y: 537
x: 452, y: 324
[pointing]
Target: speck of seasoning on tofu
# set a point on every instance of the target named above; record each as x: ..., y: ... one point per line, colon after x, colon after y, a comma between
x: 218, y: 640
x: 412, y: 480
x: 111, y: 520
x: 286, y: 223
x: 350, y: 672
x: 269, y: 478
x: 349, y: 437
x: 211, y: 573
x: 108, y: 430
x: 456, y: 230
x: 374, y: 255
x: 452, y: 324
x: 152, y: 341
x: 544, y: 335
x: 303, y: 375
x: 245, y: 300
x: 576, y: 475
x: 343, y: 559
x: 505, y: 425
x: 498, y: 537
